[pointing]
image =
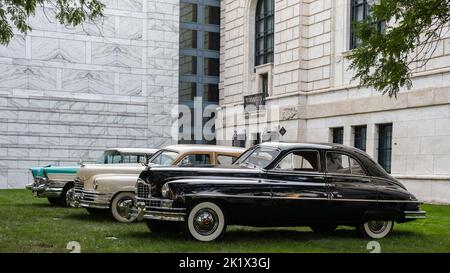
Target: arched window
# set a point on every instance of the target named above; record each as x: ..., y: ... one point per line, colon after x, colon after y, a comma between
x: 264, y: 32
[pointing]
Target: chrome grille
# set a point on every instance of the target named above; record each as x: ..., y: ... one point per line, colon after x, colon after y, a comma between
x: 89, y: 196
x: 79, y: 185
x: 155, y: 203
x: 143, y: 190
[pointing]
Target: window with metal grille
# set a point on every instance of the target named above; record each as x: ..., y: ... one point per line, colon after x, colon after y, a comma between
x: 264, y: 41
x: 360, y: 10
x: 385, y: 146
x: 360, y: 137
x: 338, y: 135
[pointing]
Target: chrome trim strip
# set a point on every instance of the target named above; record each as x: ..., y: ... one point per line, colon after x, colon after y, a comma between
x: 246, y: 182
x: 301, y: 198
x: 165, y: 216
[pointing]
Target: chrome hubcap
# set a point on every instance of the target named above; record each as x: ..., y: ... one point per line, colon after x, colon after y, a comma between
x: 122, y: 207
x: 70, y: 194
x: 377, y: 226
x: 205, y: 222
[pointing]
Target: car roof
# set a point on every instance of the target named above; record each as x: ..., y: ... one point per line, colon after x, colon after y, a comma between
x: 306, y: 145
x: 186, y: 148
x: 134, y: 150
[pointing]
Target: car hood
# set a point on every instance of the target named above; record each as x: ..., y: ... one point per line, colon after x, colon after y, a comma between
x: 88, y: 173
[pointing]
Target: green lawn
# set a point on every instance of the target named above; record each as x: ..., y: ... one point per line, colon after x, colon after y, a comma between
x: 28, y: 224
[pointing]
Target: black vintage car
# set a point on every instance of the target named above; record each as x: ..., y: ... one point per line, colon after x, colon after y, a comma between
x: 276, y: 185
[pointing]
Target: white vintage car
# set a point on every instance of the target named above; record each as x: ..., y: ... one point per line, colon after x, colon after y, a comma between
x: 103, y: 188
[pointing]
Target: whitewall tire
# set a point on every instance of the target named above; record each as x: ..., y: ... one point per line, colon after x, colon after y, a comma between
x: 376, y: 229
x: 118, y: 210
x: 206, y: 222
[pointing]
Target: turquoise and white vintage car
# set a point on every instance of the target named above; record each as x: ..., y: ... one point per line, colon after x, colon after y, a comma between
x: 56, y: 183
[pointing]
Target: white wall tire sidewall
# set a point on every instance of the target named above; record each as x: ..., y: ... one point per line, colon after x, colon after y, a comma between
x: 373, y: 235
x: 220, y: 228
x: 114, y: 211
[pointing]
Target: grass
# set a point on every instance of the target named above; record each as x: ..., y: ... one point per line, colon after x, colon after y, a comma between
x: 29, y: 224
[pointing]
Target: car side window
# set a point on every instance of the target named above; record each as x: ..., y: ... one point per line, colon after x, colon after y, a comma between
x: 300, y: 161
x: 225, y: 159
x: 195, y: 159
x: 342, y: 163
x: 142, y: 159
x: 116, y: 159
x: 130, y: 159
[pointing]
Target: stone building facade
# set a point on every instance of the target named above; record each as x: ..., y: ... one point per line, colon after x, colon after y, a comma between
x: 68, y: 93
x: 308, y: 84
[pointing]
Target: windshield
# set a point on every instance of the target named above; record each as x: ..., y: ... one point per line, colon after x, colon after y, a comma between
x: 165, y: 158
x: 260, y: 157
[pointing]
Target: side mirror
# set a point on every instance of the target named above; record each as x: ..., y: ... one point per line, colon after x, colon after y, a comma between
x: 81, y: 163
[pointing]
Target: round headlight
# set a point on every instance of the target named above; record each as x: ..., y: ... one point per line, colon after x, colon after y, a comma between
x: 165, y: 190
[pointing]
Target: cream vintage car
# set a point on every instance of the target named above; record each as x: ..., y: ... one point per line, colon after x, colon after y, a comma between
x: 102, y: 188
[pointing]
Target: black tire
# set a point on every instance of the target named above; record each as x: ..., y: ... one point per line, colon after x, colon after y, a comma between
x: 54, y: 201
x: 63, y: 197
x: 376, y: 229
x: 324, y: 228
x: 97, y: 212
x: 205, y: 222
x: 156, y: 226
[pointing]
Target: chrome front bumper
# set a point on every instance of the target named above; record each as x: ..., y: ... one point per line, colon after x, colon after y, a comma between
x: 52, y: 190
x: 90, y: 199
x: 157, y: 209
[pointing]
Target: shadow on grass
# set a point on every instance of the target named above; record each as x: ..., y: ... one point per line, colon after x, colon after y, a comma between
x: 265, y: 235
x: 85, y: 216
x: 270, y: 236
x: 43, y: 205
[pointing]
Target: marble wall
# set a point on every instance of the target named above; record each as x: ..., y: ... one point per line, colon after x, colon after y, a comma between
x: 68, y: 93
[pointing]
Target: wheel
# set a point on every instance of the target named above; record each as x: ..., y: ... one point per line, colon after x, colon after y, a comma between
x: 118, y: 208
x: 69, y: 195
x: 376, y: 229
x: 66, y: 197
x: 205, y: 222
x: 54, y: 201
x: 323, y: 228
x: 96, y: 212
x: 63, y: 199
x: 156, y: 226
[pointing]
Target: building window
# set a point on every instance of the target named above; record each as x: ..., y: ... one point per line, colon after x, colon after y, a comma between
x: 188, y: 38
x: 338, y: 135
x: 199, y: 45
x: 385, y: 146
x: 211, y: 93
x: 264, y: 41
x: 360, y: 10
x: 188, y: 91
x: 212, y: 41
x: 188, y: 12
x: 212, y: 15
x: 265, y: 85
x: 212, y: 66
x: 360, y: 137
x: 188, y: 65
